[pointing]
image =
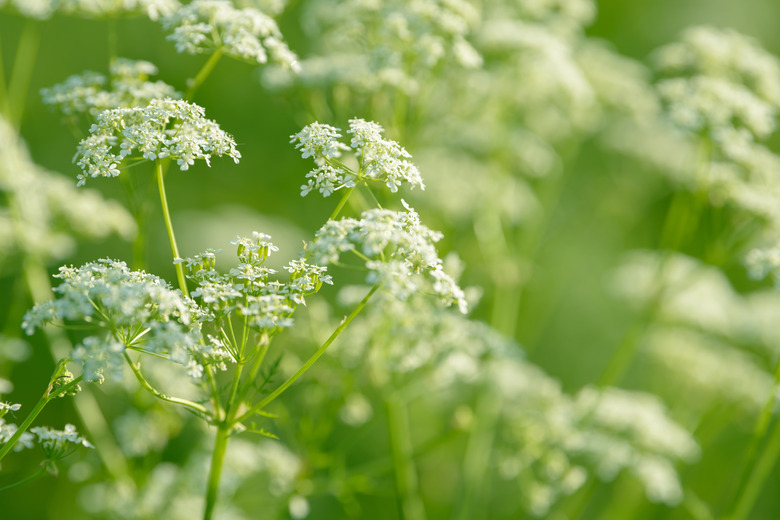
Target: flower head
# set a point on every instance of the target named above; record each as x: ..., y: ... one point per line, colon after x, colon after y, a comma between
x: 248, y: 34
x: 165, y: 128
x: 397, y: 249
x: 90, y: 93
x: 379, y: 159
x: 127, y: 310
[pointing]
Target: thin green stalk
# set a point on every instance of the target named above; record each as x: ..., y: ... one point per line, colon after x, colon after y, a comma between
x: 759, y: 434
x: 407, y: 482
x: 24, y: 63
x: 259, y: 357
x: 760, y: 472
x: 314, y: 357
x: 624, y: 355
x: 5, y: 107
x: 176, y: 400
x: 194, y: 83
x: 113, y: 40
x: 169, y: 226
x: 473, y: 498
x: 232, y: 406
x: 215, y: 472
x: 341, y: 203
x: 48, y: 395
x: 25, y: 480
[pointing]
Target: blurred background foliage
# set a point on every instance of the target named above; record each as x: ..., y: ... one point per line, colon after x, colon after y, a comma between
x: 544, y: 253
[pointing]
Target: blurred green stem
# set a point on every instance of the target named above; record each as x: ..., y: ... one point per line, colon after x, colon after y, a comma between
x: 25, y: 480
x: 48, y: 395
x: 169, y: 226
x: 758, y: 475
x: 5, y: 107
x: 407, y: 482
x: 113, y: 40
x: 474, y: 503
x: 749, y: 465
x: 215, y: 472
x: 195, y: 83
x: 24, y: 63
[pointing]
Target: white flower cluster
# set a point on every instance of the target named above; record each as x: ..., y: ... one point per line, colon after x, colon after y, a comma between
x: 56, y: 444
x: 763, y: 262
x: 711, y: 344
x: 247, y: 289
x: 129, y: 310
x: 248, y: 34
x: 166, y: 128
x: 397, y: 248
x: 49, y: 212
x: 378, y: 159
x: 720, y: 81
x: 396, y: 44
x: 723, y: 90
x: 90, y: 93
x: 44, y: 9
x: 417, y: 337
x: 702, y: 372
x: 624, y: 430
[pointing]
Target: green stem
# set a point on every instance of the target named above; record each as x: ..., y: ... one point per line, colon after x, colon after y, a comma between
x: 264, y: 342
x: 761, y: 470
x: 215, y: 473
x: 175, y: 400
x: 473, y: 499
x: 759, y: 434
x: 314, y: 357
x: 194, y: 83
x: 169, y: 227
x: 624, y: 355
x: 407, y: 482
x: 48, y: 395
x: 232, y: 406
x: 113, y: 40
x: 24, y: 63
x: 341, y: 203
x: 25, y: 480
x: 5, y: 107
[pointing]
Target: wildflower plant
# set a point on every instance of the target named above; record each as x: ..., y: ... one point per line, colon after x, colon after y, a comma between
x: 547, y: 155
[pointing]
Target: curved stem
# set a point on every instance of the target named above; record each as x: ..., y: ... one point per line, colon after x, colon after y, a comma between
x: 314, y: 357
x: 194, y: 83
x: 48, y: 395
x: 169, y: 227
x: 24, y: 480
x: 175, y: 400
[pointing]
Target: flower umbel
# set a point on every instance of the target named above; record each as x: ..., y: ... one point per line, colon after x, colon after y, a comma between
x: 378, y: 159
x: 398, y: 250
x: 248, y: 34
x: 166, y: 128
x: 128, y: 310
